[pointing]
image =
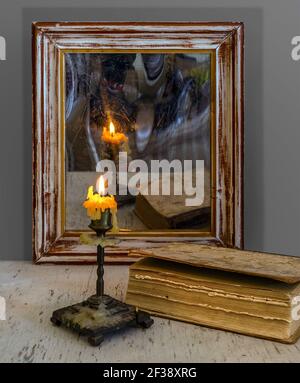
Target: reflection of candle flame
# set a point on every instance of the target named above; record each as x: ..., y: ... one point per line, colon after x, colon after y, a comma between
x: 111, y: 136
x: 100, y: 185
x: 112, y: 129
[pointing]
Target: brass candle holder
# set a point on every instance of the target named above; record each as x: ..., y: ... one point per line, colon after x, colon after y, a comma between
x: 100, y: 314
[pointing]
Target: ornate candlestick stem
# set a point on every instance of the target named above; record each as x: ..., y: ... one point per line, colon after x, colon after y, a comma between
x: 101, y: 226
x: 100, y: 271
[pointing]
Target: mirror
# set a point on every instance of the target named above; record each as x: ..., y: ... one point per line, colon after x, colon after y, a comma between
x: 150, y: 114
x: 157, y: 108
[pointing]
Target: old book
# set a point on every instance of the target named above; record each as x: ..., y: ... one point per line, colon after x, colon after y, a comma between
x: 170, y: 211
x: 258, y: 300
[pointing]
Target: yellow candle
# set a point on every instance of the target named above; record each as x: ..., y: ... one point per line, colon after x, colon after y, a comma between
x: 97, y: 202
x: 112, y: 137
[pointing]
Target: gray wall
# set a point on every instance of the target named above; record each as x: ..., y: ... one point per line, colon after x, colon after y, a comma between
x: 272, y: 136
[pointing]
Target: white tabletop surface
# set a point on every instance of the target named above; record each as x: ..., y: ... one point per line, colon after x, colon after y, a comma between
x: 32, y: 292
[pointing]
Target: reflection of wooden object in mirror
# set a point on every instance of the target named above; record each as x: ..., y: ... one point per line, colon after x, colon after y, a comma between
x: 53, y: 43
x: 170, y: 211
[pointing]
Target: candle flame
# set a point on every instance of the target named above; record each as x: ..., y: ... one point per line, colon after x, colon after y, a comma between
x: 100, y: 185
x: 112, y: 129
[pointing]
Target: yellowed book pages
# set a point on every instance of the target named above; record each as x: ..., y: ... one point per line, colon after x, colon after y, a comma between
x: 240, y: 303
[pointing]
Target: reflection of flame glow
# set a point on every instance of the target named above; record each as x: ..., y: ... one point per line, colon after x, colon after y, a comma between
x: 112, y: 129
x: 100, y: 185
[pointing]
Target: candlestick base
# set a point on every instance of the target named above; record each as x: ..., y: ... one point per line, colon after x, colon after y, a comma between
x: 99, y: 316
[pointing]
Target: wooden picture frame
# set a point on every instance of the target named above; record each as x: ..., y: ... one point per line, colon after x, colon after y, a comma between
x: 50, y: 41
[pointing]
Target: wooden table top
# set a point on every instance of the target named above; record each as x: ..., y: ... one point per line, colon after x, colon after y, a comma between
x: 32, y: 292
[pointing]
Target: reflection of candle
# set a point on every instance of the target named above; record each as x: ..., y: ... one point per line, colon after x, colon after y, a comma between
x: 112, y: 129
x: 97, y: 202
x: 111, y: 136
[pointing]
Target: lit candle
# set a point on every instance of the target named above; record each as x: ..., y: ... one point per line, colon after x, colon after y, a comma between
x: 97, y: 202
x: 111, y: 136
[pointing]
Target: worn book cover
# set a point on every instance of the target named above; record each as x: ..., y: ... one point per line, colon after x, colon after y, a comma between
x: 257, y: 298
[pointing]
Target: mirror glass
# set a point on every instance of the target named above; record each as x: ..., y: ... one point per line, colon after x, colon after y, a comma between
x: 150, y: 114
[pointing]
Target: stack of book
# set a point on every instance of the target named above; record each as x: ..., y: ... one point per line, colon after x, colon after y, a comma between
x: 251, y: 293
